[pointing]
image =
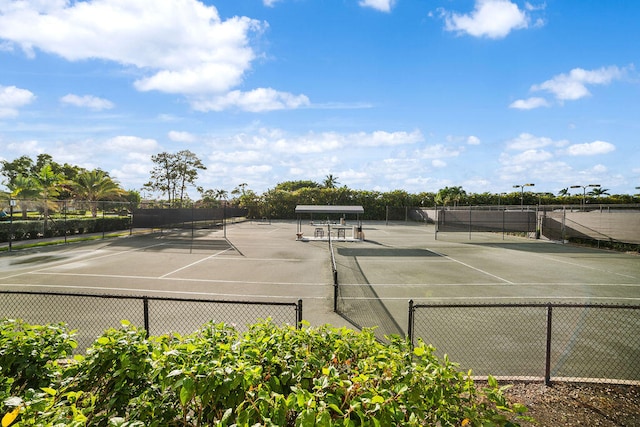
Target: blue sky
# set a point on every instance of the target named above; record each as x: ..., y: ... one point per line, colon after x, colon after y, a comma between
x: 382, y: 94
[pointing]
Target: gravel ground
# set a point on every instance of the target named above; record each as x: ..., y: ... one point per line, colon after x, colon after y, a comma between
x: 570, y: 404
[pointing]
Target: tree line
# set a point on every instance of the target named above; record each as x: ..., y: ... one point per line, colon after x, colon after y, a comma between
x: 47, y: 180
x: 174, y: 173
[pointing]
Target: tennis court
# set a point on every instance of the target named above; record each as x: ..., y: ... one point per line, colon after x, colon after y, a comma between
x: 402, y: 262
x: 259, y: 261
x: 264, y: 261
x: 484, y: 299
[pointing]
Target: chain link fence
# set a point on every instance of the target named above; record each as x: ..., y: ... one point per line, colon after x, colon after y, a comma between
x: 564, y: 342
x: 37, y: 219
x: 600, y: 223
x: 26, y: 220
x: 92, y: 314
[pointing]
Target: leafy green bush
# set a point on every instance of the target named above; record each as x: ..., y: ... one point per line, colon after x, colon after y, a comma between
x: 270, y: 375
x: 33, y: 229
x: 28, y: 354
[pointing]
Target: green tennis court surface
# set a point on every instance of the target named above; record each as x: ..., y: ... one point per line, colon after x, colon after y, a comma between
x: 377, y: 277
x: 408, y: 262
x: 399, y: 262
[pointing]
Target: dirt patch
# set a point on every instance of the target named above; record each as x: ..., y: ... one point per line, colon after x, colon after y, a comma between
x: 569, y: 404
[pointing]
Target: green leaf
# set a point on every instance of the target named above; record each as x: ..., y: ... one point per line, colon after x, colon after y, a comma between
x: 419, y: 351
x: 323, y: 419
x: 492, y: 381
x: 102, y: 340
x: 377, y: 399
x: 519, y: 408
x: 336, y: 409
x: 306, y: 418
x: 187, y: 391
x: 49, y: 391
x: 227, y: 416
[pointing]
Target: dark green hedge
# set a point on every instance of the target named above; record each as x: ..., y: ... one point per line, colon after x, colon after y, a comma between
x: 34, y: 229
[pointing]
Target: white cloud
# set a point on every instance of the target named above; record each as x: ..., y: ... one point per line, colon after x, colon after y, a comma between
x: 330, y: 141
x: 257, y: 100
x: 437, y: 151
x: 6, y: 46
x: 490, y: 18
x: 473, y: 140
x: 252, y: 170
x: 437, y: 163
x: 573, y: 86
x: 270, y: 3
x: 24, y: 147
x: 529, y: 103
x: 182, y: 46
x: 527, y: 141
x: 12, y: 98
x: 599, y: 169
x: 525, y: 159
x: 531, y: 156
x: 591, y: 148
x: 383, y: 138
x: 310, y: 143
x: 87, y: 101
x: 381, y: 5
x: 457, y: 139
x: 177, y: 136
x: 247, y: 156
x: 132, y: 144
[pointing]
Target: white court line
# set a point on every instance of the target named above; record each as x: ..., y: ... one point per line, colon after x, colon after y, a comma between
x: 85, y: 256
x: 472, y: 267
x: 194, y: 263
x: 463, y: 263
x: 567, y: 284
x: 163, y: 291
x: 263, y: 259
x: 116, y: 276
x: 515, y: 298
x: 584, y: 266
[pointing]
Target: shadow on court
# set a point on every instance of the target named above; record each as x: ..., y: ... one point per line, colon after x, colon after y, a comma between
x: 537, y: 247
x: 386, y: 252
x: 201, y: 241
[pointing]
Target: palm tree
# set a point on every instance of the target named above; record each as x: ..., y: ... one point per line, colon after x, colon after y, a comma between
x: 44, y: 183
x: 23, y: 187
x: 240, y: 189
x: 597, y: 192
x: 221, y: 194
x: 93, y: 186
x: 447, y: 195
x: 564, y: 192
x: 330, y: 181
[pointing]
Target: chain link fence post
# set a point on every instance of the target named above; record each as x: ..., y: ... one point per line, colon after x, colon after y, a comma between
x: 410, y: 324
x: 547, y: 369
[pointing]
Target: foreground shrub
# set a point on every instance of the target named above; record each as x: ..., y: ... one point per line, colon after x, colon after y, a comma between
x: 270, y: 375
x: 29, y: 354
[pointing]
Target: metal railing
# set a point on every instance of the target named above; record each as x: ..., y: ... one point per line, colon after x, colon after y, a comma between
x: 92, y: 314
x: 565, y: 342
